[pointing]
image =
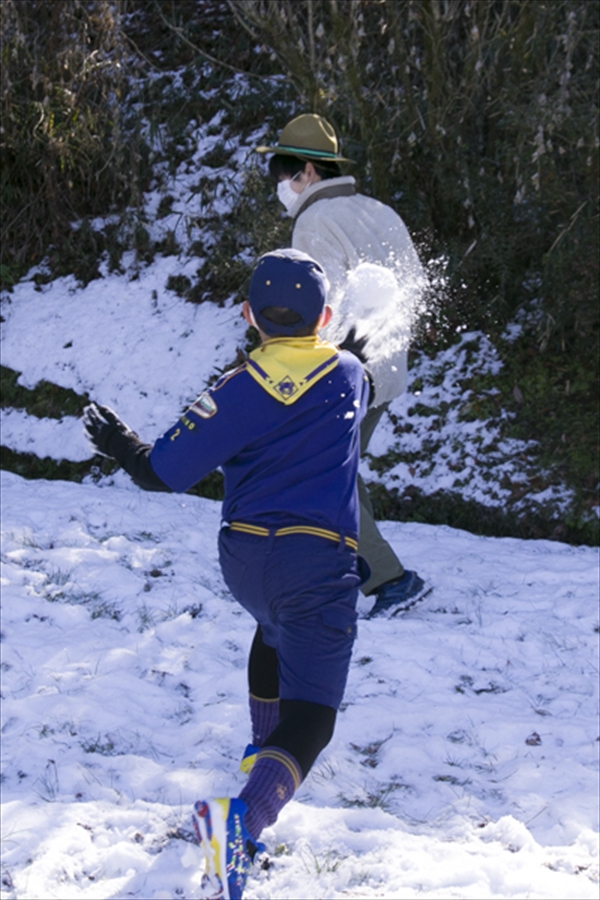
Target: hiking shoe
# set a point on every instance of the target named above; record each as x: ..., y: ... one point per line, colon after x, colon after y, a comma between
x: 397, y: 596
x: 227, y: 845
x: 248, y: 759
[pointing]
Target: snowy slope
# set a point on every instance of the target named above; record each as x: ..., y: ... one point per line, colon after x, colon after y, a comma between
x: 464, y: 762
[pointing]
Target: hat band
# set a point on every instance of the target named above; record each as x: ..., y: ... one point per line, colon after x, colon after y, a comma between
x: 305, y: 152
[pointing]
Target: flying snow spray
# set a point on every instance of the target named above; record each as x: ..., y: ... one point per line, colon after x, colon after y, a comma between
x: 383, y: 304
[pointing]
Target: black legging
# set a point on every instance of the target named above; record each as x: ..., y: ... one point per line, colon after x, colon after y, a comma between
x: 304, y: 728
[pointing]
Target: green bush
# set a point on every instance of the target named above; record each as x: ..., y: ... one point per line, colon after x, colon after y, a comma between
x: 66, y: 148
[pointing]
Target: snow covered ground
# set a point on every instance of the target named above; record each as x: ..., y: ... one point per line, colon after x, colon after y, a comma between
x: 465, y: 758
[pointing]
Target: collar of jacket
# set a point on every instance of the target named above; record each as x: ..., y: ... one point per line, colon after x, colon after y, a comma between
x: 344, y: 186
x: 287, y: 367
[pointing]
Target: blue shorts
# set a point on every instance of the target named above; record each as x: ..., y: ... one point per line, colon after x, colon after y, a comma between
x: 302, y: 590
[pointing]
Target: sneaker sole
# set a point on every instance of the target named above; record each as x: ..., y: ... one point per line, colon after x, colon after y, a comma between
x: 410, y: 604
x: 213, y: 838
x: 392, y: 611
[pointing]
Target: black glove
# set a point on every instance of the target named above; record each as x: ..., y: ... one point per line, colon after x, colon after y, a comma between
x: 101, y: 426
x: 355, y: 345
x: 111, y: 437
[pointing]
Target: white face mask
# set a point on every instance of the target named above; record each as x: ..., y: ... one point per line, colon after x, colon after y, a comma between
x: 287, y: 195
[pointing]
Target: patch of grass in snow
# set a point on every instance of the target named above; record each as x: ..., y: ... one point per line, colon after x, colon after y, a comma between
x: 453, y: 780
x: 183, y: 714
x: 83, y: 247
x: 323, y: 863
x: 370, y: 752
x: 59, y: 577
x: 444, y: 507
x: 455, y: 763
x: 146, y: 536
x: 323, y: 771
x: 106, y: 610
x: 193, y: 610
x: 104, y: 747
x: 45, y: 731
x: 146, y: 617
x: 180, y: 285
x: 25, y: 539
x: 30, y: 466
x: 380, y: 796
x: 44, y: 400
x: 48, y: 784
x: 56, y: 585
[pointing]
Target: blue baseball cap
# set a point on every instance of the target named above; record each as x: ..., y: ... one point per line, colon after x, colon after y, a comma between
x: 290, y: 279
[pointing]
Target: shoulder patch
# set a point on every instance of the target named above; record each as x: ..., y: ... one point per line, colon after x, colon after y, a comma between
x: 204, y: 406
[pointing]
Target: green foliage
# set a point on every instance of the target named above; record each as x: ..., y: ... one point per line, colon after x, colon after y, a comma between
x: 104, y: 748
x: 180, y: 284
x: 46, y: 399
x: 30, y: 466
x: 554, y: 401
x: 450, y: 508
x: 66, y: 150
x: 254, y: 226
x: 211, y: 487
x: 7, y: 277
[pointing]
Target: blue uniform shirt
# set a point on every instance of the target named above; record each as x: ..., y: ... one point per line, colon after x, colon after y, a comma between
x: 285, y: 428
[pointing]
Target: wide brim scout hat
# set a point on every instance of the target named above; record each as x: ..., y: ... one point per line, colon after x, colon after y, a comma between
x: 309, y: 137
x: 291, y: 279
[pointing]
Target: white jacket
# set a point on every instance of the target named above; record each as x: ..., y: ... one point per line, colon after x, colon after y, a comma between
x: 342, y: 229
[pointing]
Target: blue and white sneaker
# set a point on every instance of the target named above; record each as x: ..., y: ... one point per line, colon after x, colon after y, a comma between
x: 398, y: 596
x: 228, y: 847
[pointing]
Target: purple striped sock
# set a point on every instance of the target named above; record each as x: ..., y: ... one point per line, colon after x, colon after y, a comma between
x: 273, y: 780
x: 264, y: 715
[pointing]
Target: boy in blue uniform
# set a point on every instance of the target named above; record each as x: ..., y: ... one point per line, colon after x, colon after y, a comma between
x: 285, y: 428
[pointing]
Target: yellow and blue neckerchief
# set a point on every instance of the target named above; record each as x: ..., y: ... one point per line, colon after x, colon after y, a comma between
x: 287, y: 367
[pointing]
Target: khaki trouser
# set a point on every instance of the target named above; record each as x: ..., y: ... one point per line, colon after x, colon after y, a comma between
x: 383, y: 562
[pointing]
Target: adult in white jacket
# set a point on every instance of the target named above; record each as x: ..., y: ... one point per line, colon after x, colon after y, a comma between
x: 360, y: 242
